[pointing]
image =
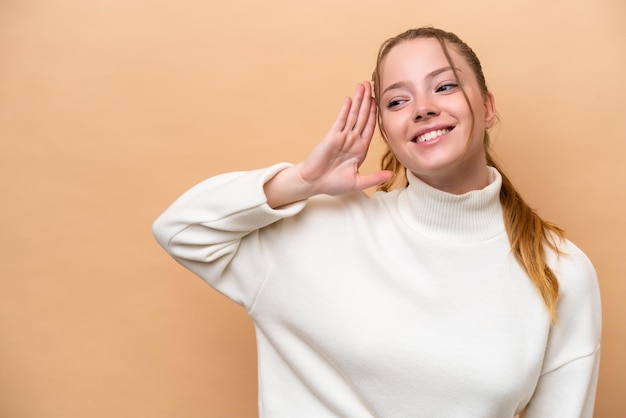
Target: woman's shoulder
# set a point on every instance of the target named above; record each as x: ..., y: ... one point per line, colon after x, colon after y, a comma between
x: 570, y: 258
x: 577, y: 276
x: 362, y: 202
x: 356, y: 211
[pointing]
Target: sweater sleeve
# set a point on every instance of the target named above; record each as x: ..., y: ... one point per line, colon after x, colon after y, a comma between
x: 567, y: 385
x: 211, y: 223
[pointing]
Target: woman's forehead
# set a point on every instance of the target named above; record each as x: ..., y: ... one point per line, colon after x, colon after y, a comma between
x: 419, y: 57
x: 420, y: 52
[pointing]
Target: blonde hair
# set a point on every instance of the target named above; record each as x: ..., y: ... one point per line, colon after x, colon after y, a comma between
x: 529, y: 235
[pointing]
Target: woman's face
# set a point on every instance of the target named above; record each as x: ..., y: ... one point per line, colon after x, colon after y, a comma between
x: 427, y: 120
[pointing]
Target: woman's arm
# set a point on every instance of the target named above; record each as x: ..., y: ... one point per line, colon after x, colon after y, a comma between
x: 204, y: 228
x: 567, y: 385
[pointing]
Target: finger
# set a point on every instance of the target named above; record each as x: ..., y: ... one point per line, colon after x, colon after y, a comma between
x: 364, y: 109
x: 374, y: 179
x: 353, y: 114
x: 342, y: 117
x: 370, y: 125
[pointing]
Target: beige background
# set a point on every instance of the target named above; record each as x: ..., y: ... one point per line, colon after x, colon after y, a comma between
x: 109, y: 110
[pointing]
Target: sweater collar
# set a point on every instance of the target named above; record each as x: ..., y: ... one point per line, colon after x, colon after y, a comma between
x: 468, y: 217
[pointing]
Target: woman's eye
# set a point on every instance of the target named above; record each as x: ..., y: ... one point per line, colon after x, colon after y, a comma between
x: 394, y: 103
x: 447, y: 87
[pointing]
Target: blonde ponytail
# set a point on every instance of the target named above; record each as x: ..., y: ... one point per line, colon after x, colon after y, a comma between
x: 529, y: 236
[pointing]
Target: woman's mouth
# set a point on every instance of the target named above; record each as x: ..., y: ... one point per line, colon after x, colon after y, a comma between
x: 431, y: 135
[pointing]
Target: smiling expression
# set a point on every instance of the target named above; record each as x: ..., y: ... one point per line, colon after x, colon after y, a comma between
x: 427, y: 120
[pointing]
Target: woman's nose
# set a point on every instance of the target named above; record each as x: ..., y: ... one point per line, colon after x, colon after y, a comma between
x: 425, y: 109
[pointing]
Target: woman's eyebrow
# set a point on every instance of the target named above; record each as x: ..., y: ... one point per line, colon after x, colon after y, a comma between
x: 432, y: 74
x: 442, y: 70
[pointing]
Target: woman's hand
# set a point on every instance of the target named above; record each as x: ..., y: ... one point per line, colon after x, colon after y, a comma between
x: 333, y: 166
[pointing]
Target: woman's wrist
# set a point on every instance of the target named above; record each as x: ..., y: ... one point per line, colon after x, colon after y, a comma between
x: 286, y: 187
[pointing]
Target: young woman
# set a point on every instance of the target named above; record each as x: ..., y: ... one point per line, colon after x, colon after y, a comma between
x: 447, y: 297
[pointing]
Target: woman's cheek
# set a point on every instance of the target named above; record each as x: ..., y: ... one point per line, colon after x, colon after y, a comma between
x: 393, y: 127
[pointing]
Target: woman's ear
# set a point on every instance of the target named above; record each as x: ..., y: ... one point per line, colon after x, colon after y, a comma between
x: 490, y: 110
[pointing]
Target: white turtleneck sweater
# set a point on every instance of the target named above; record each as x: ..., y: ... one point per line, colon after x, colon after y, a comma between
x: 403, y: 304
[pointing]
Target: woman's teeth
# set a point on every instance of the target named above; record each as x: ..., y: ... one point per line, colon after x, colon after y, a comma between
x: 431, y: 135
